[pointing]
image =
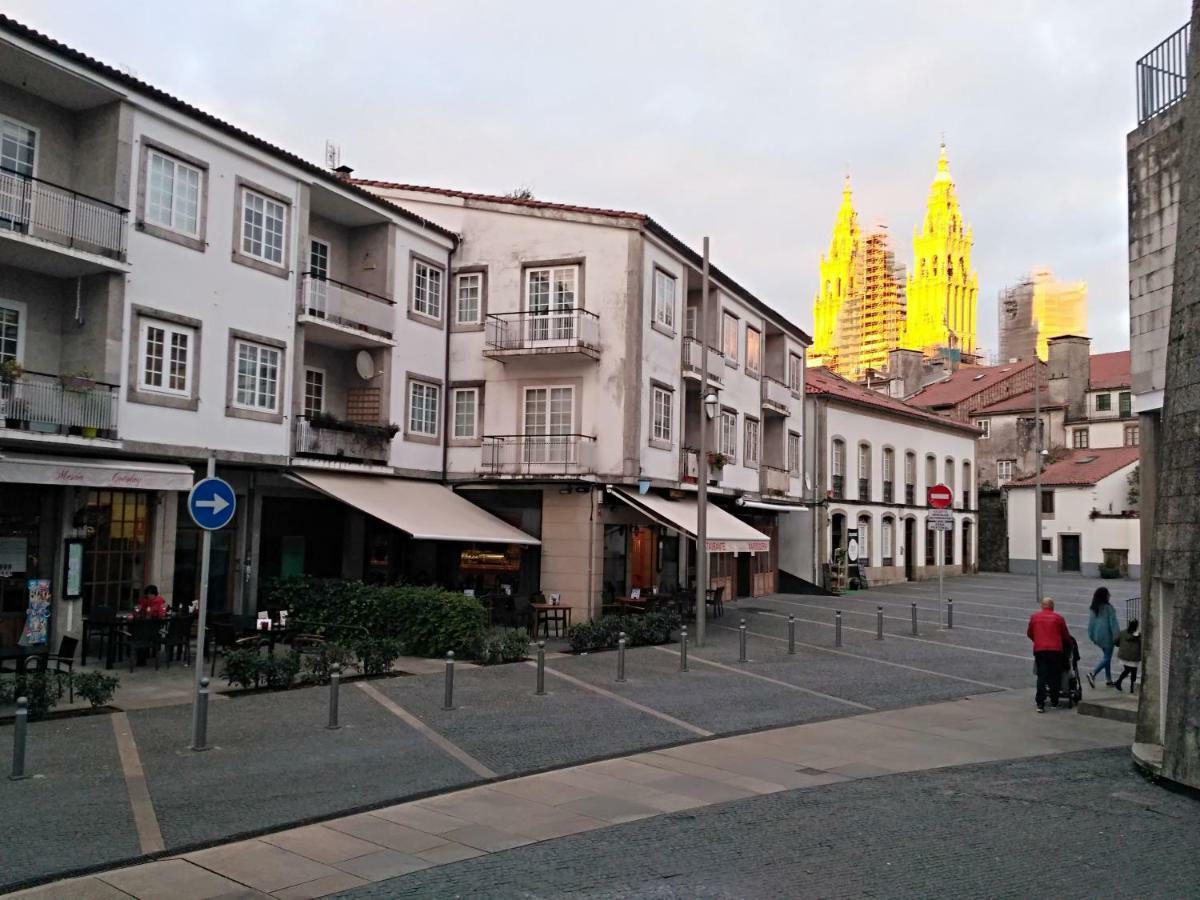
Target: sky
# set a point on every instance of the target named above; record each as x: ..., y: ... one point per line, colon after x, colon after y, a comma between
x: 735, y: 121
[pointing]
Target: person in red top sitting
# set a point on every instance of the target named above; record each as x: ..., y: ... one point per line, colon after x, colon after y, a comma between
x: 1048, y: 631
x: 152, y: 605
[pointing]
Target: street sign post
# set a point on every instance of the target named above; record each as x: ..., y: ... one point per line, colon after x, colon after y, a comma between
x: 940, y: 519
x: 211, y: 505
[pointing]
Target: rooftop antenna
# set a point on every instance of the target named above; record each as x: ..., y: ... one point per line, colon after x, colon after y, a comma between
x: 333, y: 155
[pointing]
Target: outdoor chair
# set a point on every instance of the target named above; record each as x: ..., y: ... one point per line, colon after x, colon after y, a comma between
x: 715, y: 598
x: 143, y: 634
x: 222, y: 636
x: 179, y: 639
x: 98, y: 624
x: 65, y: 657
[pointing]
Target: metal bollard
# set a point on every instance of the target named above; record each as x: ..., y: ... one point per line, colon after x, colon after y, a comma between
x: 950, y: 612
x: 742, y: 642
x: 448, y: 700
x: 335, y: 683
x: 202, y: 717
x: 20, y: 733
x: 914, y: 618
x: 879, y: 623
x: 541, y: 669
x: 791, y: 635
x: 837, y: 628
x: 683, y: 649
x: 621, y: 656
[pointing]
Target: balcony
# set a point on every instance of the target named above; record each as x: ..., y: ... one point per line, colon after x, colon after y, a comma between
x: 864, y: 489
x: 37, y: 403
x: 910, y: 494
x: 691, y: 361
x: 539, y: 334
x: 776, y: 396
x: 46, y: 213
x: 838, y: 492
x: 689, y: 467
x: 537, y: 454
x: 339, y: 315
x: 889, y: 492
x: 774, y: 482
x: 323, y: 437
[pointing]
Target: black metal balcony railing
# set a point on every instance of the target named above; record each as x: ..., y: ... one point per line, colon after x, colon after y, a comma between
x: 1162, y: 75
x: 54, y: 213
x: 340, y: 443
x: 555, y: 330
x: 536, y: 454
x: 966, y: 500
x: 888, y: 492
x: 910, y: 494
x: 839, y: 487
x: 347, y: 306
x: 47, y: 404
x: 864, y: 489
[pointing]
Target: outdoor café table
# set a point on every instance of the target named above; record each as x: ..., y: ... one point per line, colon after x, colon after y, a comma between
x: 22, y: 656
x: 635, y: 604
x: 120, y: 622
x: 545, y: 613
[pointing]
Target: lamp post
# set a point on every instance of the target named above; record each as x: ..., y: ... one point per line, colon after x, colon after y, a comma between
x: 702, y: 458
x: 1037, y: 481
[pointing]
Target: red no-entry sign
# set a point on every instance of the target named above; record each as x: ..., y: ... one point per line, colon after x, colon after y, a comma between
x: 940, y: 496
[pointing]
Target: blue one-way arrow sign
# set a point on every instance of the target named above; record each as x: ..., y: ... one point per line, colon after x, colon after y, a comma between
x: 212, y: 503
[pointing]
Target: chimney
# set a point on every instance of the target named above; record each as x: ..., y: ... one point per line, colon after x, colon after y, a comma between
x: 343, y: 172
x: 907, y: 366
x: 1069, y: 370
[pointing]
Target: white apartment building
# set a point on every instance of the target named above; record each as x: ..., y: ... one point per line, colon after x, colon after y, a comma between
x: 575, y: 365
x: 874, y: 459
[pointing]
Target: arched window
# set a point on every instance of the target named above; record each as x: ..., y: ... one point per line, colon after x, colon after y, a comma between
x: 889, y: 475
x: 948, y: 537
x: 924, y: 267
x: 930, y: 545
x: 864, y: 471
x: 967, y: 485
x: 930, y: 472
x: 887, y: 541
x: 961, y: 267
x: 935, y: 259
x: 837, y: 468
x: 949, y: 267
x: 910, y: 477
x: 864, y: 539
x: 950, y: 472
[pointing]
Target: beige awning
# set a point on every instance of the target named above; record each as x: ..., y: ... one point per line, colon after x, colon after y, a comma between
x: 112, y: 474
x: 725, y: 533
x: 425, y: 509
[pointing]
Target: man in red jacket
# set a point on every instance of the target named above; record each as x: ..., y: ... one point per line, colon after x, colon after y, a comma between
x: 1048, y: 631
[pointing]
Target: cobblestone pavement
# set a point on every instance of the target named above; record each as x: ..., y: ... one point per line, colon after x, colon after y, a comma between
x: 1077, y: 825
x: 274, y: 764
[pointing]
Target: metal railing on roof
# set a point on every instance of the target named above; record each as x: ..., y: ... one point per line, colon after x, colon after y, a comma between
x: 1162, y: 75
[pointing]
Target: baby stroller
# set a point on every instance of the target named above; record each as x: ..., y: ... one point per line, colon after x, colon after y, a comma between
x: 1072, y: 685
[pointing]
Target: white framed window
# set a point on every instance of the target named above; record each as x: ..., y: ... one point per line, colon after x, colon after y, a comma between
x: 949, y: 472
x: 985, y: 426
x: 864, y: 540
x: 257, y: 369
x: 662, y: 407
x: 165, y: 364
x: 423, y: 401
x: 264, y: 224
x: 750, y: 443
x: 12, y: 327
x: 795, y: 372
x: 551, y: 296
x: 18, y: 153
x: 729, y: 434
x: 753, y: 351
x: 173, y: 194
x: 468, y: 297
x: 887, y: 540
x: 1079, y: 438
x: 664, y: 299
x: 930, y: 471
x: 889, y: 464
x: 465, y: 403
x: 838, y: 460
x: 427, y: 289
x: 548, y: 420
x: 729, y: 336
x: 864, y: 461
x: 689, y: 320
x: 314, y: 392
x: 317, y: 288
x: 1004, y: 470
x: 793, y: 451
x: 910, y: 468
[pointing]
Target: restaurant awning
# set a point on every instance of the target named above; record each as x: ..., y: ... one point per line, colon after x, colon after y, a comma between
x: 425, y: 509
x: 113, y: 474
x: 725, y: 534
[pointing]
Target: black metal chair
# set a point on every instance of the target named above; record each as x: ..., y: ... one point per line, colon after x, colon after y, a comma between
x: 715, y: 598
x: 178, y: 639
x: 143, y: 634
x: 99, y: 623
x: 65, y: 657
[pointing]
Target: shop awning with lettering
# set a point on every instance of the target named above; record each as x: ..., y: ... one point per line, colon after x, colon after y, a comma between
x: 113, y: 474
x: 725, y: 533
x: 425, y: 509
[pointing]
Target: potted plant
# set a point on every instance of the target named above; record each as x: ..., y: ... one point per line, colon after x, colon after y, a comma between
x: 10, y: 371
x: 79, y: 380
x: 717, y: 459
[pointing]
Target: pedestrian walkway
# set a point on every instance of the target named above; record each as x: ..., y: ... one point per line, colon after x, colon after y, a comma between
x: 357, y: 850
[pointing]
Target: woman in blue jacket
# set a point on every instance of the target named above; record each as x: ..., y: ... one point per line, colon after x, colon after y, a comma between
x: 1103, y: 629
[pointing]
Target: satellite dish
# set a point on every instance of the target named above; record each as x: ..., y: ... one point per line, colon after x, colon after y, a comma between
x: 364, y: 365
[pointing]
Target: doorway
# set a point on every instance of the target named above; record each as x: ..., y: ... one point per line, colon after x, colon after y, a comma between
x: 837, y: 534
x: 910, y: 549
x: 1069, y: 554
x: 745, y: 587
x: 641, y: 557
x: 967, y: 560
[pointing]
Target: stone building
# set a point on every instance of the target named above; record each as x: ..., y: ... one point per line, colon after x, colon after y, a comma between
x: 1036, y: 309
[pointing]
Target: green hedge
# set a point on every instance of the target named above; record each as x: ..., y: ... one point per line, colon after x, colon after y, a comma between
x: 391, y: 619
x: 604, y: 632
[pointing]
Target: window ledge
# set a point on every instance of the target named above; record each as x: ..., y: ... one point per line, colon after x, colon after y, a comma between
x: 423, y: 319
x: 660, y: 444
x: 255, y: 415
x: 252, y: 262
x: 168, y: 401
x: 422, y: 438
x: 175, y: 237
x: 663, y: 329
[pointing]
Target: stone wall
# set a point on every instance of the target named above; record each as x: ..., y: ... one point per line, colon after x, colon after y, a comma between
x: 993, y: 532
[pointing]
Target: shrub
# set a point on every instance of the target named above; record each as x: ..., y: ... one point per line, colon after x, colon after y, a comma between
x: 376, y: 655
x: 604, y: 632
x: 279, y: 671
x: 41, y: 689
x: 1109, y: 572
x: 317, y: 665
x: 509, y: 647
x: 243, y: 667
x: 96, y: 688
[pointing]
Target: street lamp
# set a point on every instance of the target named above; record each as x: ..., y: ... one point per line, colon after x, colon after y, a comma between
x: 710, y: 410
x: 710, y: 405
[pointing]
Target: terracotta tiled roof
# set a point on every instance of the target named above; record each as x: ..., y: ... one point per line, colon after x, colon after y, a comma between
x: 82, y: 59
x: 964, y: 382
x: 821, y: 382
x: 1109, y: 370
x: 1083, y: 467
x: 1019, y: 403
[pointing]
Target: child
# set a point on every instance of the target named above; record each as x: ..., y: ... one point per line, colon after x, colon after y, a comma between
x: 1129, y: 652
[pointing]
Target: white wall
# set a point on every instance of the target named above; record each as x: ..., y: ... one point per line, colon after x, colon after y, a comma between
x: 661, y: 361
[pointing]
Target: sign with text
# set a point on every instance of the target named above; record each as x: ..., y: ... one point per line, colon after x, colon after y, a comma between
x: 940, y: 520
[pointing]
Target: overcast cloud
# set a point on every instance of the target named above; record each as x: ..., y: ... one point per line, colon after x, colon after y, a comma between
x: 732, y: 120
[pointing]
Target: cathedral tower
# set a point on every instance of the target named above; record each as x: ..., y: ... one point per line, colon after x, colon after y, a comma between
x: 942, y: 287
x: 836, y: 284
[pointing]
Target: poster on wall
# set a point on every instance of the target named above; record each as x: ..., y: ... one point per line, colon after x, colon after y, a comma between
x: 37, y: 616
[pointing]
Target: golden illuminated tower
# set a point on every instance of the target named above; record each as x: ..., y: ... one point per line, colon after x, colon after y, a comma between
x: 836, y: 285
x: 942, y: 288
x: 878, y: 306
x: 1037, y: 308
